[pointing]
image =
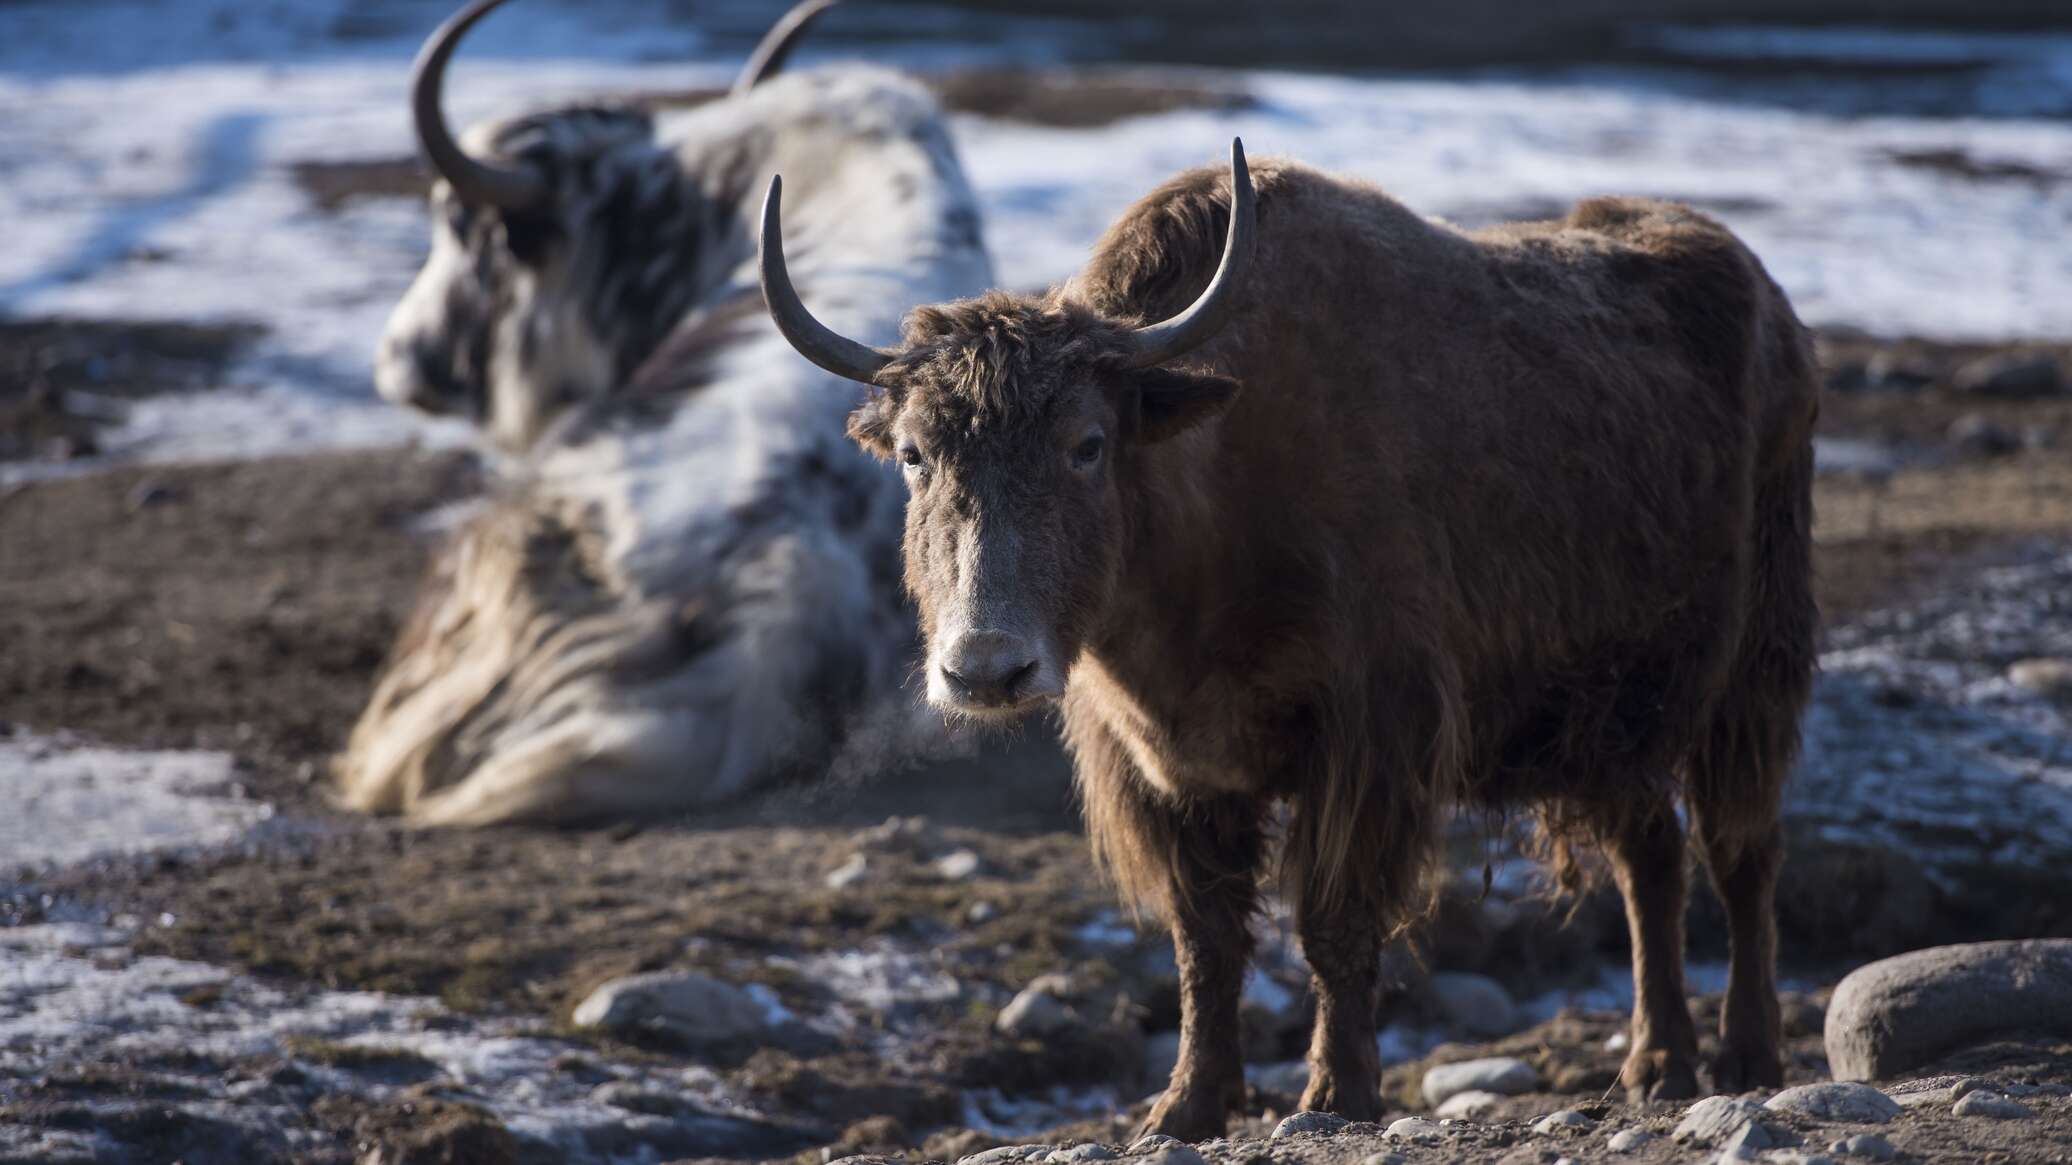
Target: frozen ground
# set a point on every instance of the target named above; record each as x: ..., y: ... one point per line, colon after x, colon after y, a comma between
x: 145, y: 158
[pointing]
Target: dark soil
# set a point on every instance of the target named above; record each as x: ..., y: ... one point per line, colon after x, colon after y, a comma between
x: 238, y: 606
x: 62, y: 380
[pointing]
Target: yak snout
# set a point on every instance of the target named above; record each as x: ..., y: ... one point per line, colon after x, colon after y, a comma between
x: 991, y: 671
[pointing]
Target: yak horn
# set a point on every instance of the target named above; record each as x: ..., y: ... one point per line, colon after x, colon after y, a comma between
x: 1160, y: 342
x: 814, y: 340
x: 476, y: 182
x: 776, y: 45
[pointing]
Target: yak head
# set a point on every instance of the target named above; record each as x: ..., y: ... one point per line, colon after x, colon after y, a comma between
x: 559, y: 247
x: 1016, y: 421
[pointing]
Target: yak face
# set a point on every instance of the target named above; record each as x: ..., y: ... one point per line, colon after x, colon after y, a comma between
x: 1019, y: 429
x: 504, y: 324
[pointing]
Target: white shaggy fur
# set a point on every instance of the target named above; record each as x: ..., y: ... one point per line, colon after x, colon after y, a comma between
x: 688, y: 587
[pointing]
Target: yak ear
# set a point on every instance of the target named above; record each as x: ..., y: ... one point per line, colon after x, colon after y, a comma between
x: 870, y: 425
x: 1169, y: 403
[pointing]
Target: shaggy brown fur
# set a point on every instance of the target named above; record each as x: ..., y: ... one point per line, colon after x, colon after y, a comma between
x: 1518, y: 517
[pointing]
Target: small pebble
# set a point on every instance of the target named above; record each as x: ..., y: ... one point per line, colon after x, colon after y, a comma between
x: 1080, y: 1153
x: 1627, y: 1140
x: 1869, y: 1146
x: 1385, y: 1159
x: 1035, y: 1012
x: 1309, y: 1122
x: 1006, y: 1155
x: 1411, y: 1128
x: 1473, y: 1104
x: 1555, y: 1122
x: 957, y: 866
x: 1151, y: 1142
x: 1991, y: 1104
x: 1177, y: 1154
x: 1618, y: 1042
x: 848, y: 873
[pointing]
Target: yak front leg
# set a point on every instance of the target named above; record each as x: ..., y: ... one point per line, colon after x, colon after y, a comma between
x: 1213, y: 895
x: 1341, y: 938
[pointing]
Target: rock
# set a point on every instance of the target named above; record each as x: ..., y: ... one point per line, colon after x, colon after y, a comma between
x: 1894, y: 371
x: 1475, y: 1004
x: 1309, y: 1122
x: 1716, y: 1118
x: 1618, y: 1041
x: 1034, y: 1013
x: 1787, y: 1157
x: 1503, y: 1075
x: 1894, y: 1014
x: 1415, y: 1129
x: 1152, y: 1142
x: 958, y: 865
x: 1176, y: 1154
x: 1978, y: 435
x: 1992, y: 1104
x: 1564, y: 1120
x: 2049, y: 678
x: 683, y: 1005
x: 2010, y: 376
x: 1289, y: 1077
x: 1747, y: 1140
x: 981, y: 912
x: 1627, y: 1140
x: 1385, y: 1159
x: 849, y: 873
x: 1007, y: 1155
x: 1080, y: 1153
x: 1836, y: 1100
x: 1470, y: 1105
x: 1869, y: 1146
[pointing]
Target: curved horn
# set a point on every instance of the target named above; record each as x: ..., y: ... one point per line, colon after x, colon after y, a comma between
x: 814, y: 340
x: 776, y: 45
x: 477, y: 182
x: 1160, y: 342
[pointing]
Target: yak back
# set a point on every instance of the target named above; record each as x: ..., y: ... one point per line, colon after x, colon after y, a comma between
x: 1504, y: 484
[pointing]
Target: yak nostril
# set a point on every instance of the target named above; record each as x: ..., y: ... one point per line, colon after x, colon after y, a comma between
x: 987, y: 667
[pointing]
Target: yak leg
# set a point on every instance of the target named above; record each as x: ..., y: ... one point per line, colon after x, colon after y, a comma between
x: 1341, y: 940
x: 1744, y: 873
x: 1646, y: 851
x: 1212, y: 896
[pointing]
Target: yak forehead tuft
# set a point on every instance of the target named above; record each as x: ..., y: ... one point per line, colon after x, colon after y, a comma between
x: 1000, y: 359
x: 577, y: 129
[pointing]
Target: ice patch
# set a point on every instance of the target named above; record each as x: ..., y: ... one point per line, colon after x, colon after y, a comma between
x: 70, y: 802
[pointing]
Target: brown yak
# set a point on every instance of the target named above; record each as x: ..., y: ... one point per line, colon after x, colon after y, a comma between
x: 1424, y: 519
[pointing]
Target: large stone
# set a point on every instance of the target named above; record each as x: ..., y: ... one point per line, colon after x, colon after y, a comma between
x: 1503, y: 1075
x: 1836, y: 1100
x: 1869, y: 1146
x: 2011, y: 376
x: 1627, y: 1140
x: 1475, y: 1004
x: 683, y: 1005
x: 1901, y: 1012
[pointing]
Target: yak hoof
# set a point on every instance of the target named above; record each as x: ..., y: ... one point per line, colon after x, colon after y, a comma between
x: 1192, y: 1115
x: 1658, y: 1074
x: 1326, y: 1094
x: 1743, y: 1069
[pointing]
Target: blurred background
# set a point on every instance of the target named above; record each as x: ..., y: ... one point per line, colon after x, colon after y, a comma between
x: 211, y: 532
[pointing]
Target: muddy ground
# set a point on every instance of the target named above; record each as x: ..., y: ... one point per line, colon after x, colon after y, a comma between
x: 245, y: 608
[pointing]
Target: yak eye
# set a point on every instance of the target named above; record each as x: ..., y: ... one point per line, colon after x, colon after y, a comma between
x: 1088, y: 452
x: 910, y: 456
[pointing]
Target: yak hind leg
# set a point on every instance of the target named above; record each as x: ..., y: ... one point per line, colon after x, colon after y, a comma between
x: 1646, y: 852
x: 1744, y: 874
